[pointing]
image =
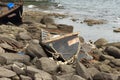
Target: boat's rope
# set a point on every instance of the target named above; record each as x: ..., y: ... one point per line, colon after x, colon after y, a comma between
x: 74, y: 58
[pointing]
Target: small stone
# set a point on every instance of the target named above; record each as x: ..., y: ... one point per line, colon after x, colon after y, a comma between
x: 43, y: 76
x: 66, y: 68
x: 16, y: 77
x: 66, y: 28
x: 6, y: 73
x: 100, y: 42
x: 35, y: 50
x: 63, y: 77
x: 92, y: 71
x: 23, y: 36
x: 113, y: 51
x: 12, y: 57
x: 47, y: 65
x: 82, y: 71
x: 117, y: 30
x: 105, y: 68
x: 18, y: 70
x: 23, y: 77
x: 2, y: 60
x: 76, y: 77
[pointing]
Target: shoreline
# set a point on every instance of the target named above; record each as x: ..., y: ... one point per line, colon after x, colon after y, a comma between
x: 23, y: 58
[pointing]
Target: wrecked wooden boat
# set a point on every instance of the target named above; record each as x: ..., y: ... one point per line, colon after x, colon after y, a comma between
x: 63, y: 47
x: 11, y: 11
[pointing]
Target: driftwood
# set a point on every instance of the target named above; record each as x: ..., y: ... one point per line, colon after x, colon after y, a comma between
x: 10, y: 42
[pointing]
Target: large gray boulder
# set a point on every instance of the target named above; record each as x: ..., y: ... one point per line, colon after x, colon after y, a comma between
x: 82, y: 71
x: 66, y: 68
x: 47, y: 65
x: 12, y: 57
x: 113, y: 51
x: 100, y: 42
x: 35, y: 50
x: 6, y: 73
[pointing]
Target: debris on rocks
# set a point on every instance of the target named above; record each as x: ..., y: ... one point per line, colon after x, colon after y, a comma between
x: 34, y: 52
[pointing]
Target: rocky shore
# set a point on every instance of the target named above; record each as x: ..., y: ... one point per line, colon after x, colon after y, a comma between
x: 23, y: 58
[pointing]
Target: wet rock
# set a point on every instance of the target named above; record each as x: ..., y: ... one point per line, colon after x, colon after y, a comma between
x: 6, y: 73
x: 47, y: 65
x: 100, y: 42
x: 63, y: 77
x: 105, y: 76
x: 66, y: 68
x: 12, y: 57
x: 105, y: 68
x: 5, y: 79
x: 82, y: 71
x: 76, y: 77
x: 23, y: 77
x: 93, y: 71
x: 35, y: 50
x: 113, y: 51
x: 91, y: 22
x: 30, y: 71
x: 66, y: 28
x: 116, y: 62
x: 117, y: 30
x: 23, y: 36
x: 43, y: 76
x: 47, y: 20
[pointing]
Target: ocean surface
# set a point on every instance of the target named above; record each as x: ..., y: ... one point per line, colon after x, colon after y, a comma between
x: 108, y: 10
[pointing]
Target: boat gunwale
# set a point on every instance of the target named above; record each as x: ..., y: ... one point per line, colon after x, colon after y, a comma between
x: 57, y: 38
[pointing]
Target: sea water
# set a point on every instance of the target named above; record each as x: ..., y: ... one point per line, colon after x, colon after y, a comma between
x: 108, y: 10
